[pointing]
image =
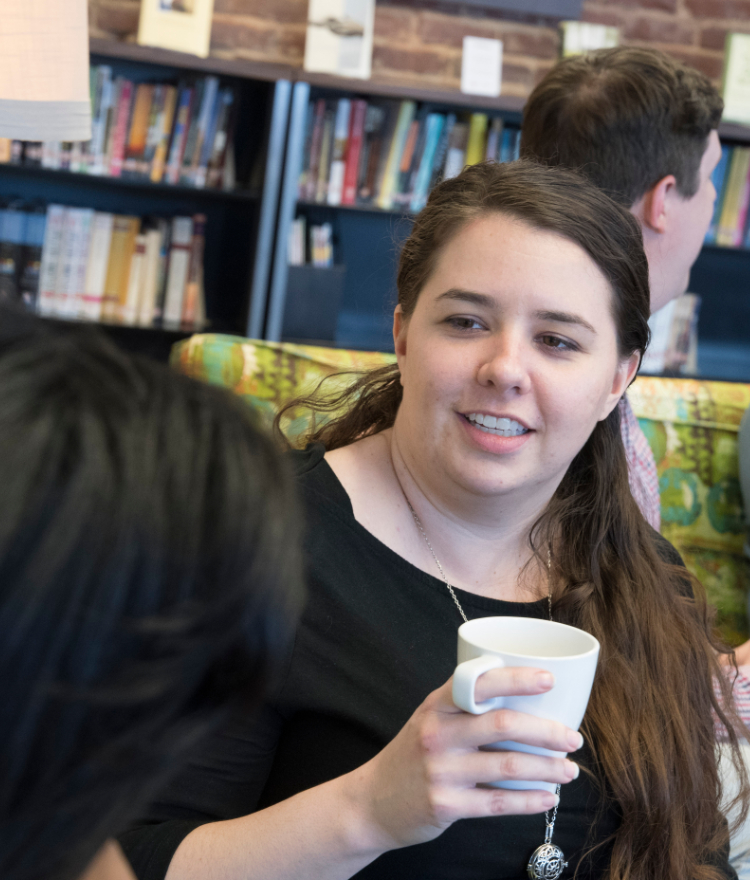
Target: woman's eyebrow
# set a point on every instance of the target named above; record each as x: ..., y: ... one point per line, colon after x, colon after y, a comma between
x: 488, y: 302
x: 565, y: 318
x: 469, y: 296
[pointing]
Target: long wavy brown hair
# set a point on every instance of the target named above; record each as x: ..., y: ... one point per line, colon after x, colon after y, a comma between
x: 650, y: 721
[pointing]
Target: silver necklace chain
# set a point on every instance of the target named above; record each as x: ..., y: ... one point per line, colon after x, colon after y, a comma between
x: 547, y: 861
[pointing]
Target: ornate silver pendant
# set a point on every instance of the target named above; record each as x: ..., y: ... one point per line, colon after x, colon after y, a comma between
x: 547, y: 862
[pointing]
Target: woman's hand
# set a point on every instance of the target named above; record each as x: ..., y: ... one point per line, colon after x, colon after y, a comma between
x: 427, y: 777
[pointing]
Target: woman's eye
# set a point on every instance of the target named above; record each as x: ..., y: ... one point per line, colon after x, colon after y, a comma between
x: 558, y: 343
x: 459, y: 322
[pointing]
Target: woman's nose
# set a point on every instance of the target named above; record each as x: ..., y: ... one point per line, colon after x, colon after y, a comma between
x: 506, y: 366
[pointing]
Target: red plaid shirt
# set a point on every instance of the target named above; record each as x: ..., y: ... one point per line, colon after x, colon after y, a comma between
x: 644, y: 481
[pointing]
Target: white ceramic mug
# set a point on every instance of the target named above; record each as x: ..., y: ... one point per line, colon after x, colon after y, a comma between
x: 570, y: 654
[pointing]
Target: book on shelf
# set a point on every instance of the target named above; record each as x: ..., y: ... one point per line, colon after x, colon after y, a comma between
x: 338, y: 152
x: 730, y: 223
x: 390, y: 154
x: 674, y: 337
x: 296, y: 255
x: 177, y: 275
x: 98, y: 266
x: 158, y: 131
x: 321, y: 245
x: 735, y: 85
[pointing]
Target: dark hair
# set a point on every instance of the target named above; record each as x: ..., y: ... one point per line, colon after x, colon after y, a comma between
x: 149, y: 581
x: 625, y: 118
x: 650, y: 718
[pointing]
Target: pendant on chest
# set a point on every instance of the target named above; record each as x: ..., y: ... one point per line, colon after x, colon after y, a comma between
x: 547, y: 862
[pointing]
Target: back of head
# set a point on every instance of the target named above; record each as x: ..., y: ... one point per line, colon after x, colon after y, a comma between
x: 149, y: 579
x: 624, y: 117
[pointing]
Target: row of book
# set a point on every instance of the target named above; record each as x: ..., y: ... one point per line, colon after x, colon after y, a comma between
x: 163, y: 132
x: 315, y: 249
x: 730, y: 224
x: 390, y: 154
x: 96, y: 266
x: 674, y: 337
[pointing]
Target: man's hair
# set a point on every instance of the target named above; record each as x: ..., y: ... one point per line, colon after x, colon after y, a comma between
x: 150, y: 579
x: 625, y: 118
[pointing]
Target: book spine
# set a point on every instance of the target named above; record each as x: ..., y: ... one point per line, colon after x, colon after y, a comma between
x: 401, y: 185
x: 719, y: 179
x: 730, y: 208
x: 138, y: 133
x: 179, y: 264
x: 191, y: 160
x: 50, y: 259
x: 326, y: 147
x: 179, y: 137
x: 405, y: 116
x: 739, y: 231
x: 476, y: 145
x: 28, y: 281
x: 441, y: 151
x: 96, y: 272
x: 194, y: 285
x: 131, y: 306
x: 351, y: 171
x: 145, y: 317
x: 120, y: 129
x: 338, y: 157
x: 435, y: 125
x: 316, y: 141
x: 224, y: 129
x: 217, y: 110
x: 82, y: 253
x: 99, y: 122
x: 164, y: 131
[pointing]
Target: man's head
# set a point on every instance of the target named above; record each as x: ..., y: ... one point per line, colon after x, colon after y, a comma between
x: 642, y: 127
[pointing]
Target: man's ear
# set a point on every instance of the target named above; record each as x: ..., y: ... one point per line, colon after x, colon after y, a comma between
x: 625, y: 374
x: 652, y: 209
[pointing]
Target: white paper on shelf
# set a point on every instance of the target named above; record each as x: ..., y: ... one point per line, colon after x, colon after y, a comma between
x: 482, y: 66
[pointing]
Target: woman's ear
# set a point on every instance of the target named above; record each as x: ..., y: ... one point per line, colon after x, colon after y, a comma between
x: 626, y: 370
x: 399, y: 333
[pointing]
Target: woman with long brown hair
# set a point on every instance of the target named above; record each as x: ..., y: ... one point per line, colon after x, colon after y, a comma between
x: 484, y: 474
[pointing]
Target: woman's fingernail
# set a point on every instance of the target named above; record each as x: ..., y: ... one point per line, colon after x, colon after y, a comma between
x: 573, y: 768
x: 575, y: 742
x: 550, y: 801
x: 545, y: 679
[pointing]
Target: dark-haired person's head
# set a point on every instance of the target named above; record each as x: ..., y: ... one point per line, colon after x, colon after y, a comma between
x: 641, y: 126
x: 149, y: 581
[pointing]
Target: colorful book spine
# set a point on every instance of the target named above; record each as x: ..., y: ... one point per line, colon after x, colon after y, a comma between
x: 120, y: 128
x: 96, y: 271
x: 164, y: 130
x: 179, y: 265
x: 477, y: 141
x: 50, y: 259
x: 356, y: 136
x: 719, y: 178
x: 434, y: 129
x: 192, y: 309
x: 326, y: 149
x: 738, y: 171
x: 405, y: 117
x: 179, y: 136
x: 338, y: 156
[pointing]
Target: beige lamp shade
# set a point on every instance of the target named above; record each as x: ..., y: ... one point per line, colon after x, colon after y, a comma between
x: 44, y: 70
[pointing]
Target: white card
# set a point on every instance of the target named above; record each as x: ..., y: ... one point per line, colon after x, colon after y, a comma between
x: 482, y: 66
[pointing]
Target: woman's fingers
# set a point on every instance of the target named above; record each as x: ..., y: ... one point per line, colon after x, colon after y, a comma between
x: 476, y: 803
x: 512, y: 681
x: 504, y: 725
x: 486, y: 767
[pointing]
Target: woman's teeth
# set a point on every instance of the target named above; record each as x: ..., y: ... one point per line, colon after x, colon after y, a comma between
x: 500, y: 427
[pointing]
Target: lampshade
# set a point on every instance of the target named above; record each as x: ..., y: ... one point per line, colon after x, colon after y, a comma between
x: 44, y: 70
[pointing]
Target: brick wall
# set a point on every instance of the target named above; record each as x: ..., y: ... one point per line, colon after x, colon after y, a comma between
x: 422, y: 46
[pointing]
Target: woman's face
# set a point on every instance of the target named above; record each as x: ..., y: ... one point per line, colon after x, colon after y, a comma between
x: 508, y: 361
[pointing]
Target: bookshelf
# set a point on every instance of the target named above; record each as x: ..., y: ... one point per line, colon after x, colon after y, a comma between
x: 366, y: 234
x: 240, y: 222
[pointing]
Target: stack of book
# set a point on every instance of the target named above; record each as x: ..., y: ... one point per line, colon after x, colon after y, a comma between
x: 390, y: 154
x: 317, y: 251
x: 729, y: 224
x: 118, y: 269
x: 674, y: 337
x: 163, y: 132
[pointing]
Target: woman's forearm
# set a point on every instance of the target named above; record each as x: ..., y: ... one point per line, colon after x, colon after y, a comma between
x: 317, y: 833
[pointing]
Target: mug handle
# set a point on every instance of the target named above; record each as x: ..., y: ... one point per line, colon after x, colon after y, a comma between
x: 465, y: 679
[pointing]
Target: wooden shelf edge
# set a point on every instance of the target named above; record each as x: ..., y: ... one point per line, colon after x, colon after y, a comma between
x: 237, y: 67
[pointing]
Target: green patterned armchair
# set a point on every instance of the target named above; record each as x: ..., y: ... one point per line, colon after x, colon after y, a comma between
x: 690, y: 424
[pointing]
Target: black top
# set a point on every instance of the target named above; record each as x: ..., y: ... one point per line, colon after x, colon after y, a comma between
x: 378, y: 635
